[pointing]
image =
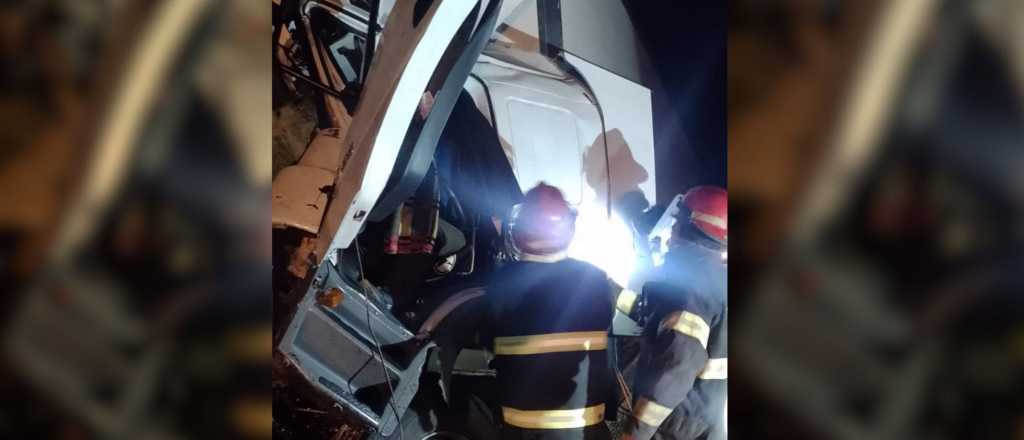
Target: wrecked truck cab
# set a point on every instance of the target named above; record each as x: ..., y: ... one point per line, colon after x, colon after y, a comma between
x: 350, y: 346
x: 452, y: 125
x: 355, y: 350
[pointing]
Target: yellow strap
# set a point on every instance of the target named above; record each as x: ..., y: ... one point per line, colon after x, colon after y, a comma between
x: 554, y: 419
x: 650, y: 412
x: 717, y: 368
x: 550, y: 343
x: 625, y: 301
x: 688, y: 324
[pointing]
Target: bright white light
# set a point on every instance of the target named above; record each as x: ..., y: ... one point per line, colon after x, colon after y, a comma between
x: 658, y: 258
x: 725, y: 256
x: 603, y: 242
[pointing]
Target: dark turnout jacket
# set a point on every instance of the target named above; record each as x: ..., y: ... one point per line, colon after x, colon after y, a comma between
x: 681, y: 383
x: 550, y: 324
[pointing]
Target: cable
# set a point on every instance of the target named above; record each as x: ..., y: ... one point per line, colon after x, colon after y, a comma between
x: 626, y: 394
x: 607, y: 160
x: 380, y: 353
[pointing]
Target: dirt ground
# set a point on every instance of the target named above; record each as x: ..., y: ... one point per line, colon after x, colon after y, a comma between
x: 302, y: 413
x: 292, y: 129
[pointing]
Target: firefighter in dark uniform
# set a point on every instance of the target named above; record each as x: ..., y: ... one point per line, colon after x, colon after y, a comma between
x: 549, y: 317
x: 681, y: 382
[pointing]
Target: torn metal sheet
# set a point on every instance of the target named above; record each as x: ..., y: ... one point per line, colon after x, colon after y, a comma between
x: 324, y: 151
x: 299, y: 196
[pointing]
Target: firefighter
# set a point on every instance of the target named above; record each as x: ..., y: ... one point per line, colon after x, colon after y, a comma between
x: 549, y: 316
x: 681, y: 380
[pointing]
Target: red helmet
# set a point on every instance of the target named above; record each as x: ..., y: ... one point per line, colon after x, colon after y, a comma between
x: 705, y: 208
x: 544, y: 223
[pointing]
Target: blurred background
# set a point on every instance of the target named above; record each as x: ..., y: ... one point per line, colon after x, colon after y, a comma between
x: 134, y: 247
x: 875, y: 150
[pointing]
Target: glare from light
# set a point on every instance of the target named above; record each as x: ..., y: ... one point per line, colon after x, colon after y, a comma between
x: 662, y: 232
x: 658, y: 259
x: 604, y: 242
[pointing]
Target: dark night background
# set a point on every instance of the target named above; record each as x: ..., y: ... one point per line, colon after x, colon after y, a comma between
x: 685, y: 43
